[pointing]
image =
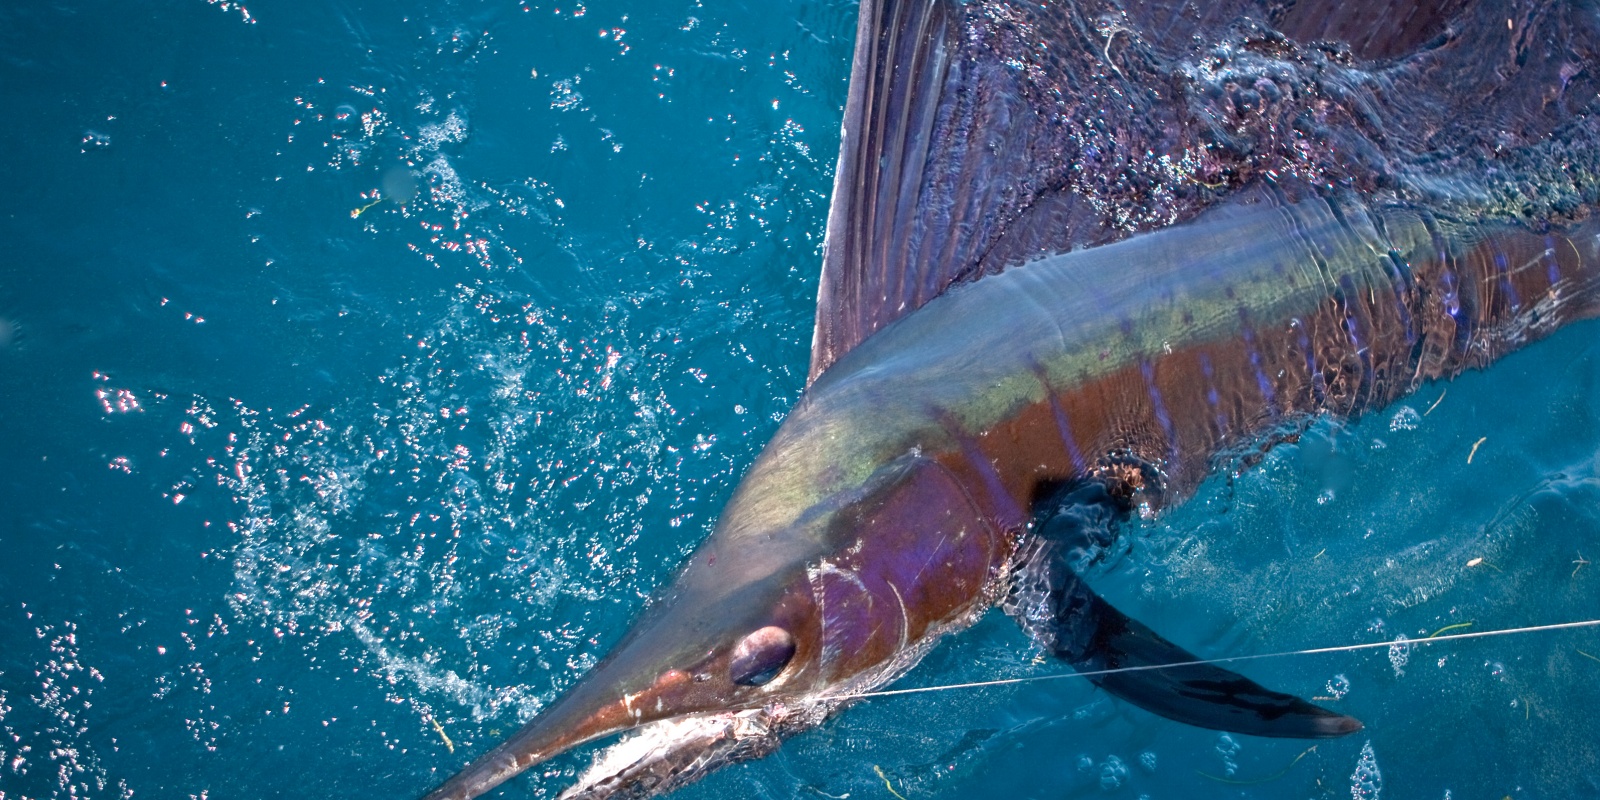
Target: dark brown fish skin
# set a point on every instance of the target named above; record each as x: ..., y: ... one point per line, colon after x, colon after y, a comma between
x: 1361, y: 349
x: 887, y: 510
x: 962, y: 416
x: 1346, y: 311
x: 967, y: 413
x: 1070, y: 125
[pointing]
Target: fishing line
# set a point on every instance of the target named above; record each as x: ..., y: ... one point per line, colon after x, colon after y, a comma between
x: 1401, y: 642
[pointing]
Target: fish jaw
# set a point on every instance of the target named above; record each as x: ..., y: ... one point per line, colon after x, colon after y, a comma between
x: 660, y: 757
x: 683, y: 660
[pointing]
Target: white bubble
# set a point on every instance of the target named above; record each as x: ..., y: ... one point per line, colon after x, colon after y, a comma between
x: 1366, y: 782
x: 1228, y: 747
x: 94, y: 140
x: 452, y: 130
x: 1338, y: 687
x: 1112, y: 773
x: 1406, y: 419
x: 346, y: 118
x: 1400, y: 655
x: 564, y: 95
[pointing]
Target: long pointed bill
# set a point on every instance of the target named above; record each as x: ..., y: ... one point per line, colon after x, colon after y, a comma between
x: 695, y: 656
x: 573, y: 720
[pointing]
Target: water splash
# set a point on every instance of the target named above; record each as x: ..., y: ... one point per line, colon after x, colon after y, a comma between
x: 46, y: 731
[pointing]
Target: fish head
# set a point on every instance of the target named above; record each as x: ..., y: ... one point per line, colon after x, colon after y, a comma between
x: 704, y: 651
x: 780, y: 616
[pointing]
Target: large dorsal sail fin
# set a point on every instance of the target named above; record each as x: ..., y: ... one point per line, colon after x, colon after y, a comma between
x: 980, y: 135
x: 897, y: 78
x: 953, y: 130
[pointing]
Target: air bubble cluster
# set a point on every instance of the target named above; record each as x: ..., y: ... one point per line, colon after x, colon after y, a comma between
x: 1406, y: 419
x: 1112, y: 773
x: 1366, y: 782
x: 1400, y: 655
x: 1228, y: 748
x: 1338, y: 686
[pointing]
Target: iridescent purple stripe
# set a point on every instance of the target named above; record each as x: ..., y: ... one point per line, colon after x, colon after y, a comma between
x: 1249, y: 336
x: 1211, y: 394
x: 1352, y: 326
x: 1008, y: 513
x: 1500, y: 268
x: 1319, y: 388
x: 1064, y: 428
x: 1159, y: 408
x: 1400, y: 274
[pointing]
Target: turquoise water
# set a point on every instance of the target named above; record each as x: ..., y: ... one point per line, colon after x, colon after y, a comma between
x: 296, y: 499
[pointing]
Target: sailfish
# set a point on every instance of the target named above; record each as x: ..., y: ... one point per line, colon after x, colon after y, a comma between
x: 1080, y: 256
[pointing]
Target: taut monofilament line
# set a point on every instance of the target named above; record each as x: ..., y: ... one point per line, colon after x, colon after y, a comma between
x: 1399, y: 642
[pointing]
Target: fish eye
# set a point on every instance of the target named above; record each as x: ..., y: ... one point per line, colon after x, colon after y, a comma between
x: 760, y: 656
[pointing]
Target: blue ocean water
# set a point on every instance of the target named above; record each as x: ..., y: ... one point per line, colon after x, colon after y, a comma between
x: 364, y: 367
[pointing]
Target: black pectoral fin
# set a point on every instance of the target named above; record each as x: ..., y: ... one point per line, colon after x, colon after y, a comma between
x: 1121, y: 655
x: 1204, y: 695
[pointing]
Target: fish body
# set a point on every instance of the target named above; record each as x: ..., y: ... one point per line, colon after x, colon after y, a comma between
x: 1176, y: 350
x: 889, y: 507
x: 1189, y: 342
x: 896, y: 502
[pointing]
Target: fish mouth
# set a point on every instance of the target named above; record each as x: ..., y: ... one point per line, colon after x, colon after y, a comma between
x: 658, y: 757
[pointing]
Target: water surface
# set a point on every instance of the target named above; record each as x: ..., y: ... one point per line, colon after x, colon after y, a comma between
x: 364, y: 367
